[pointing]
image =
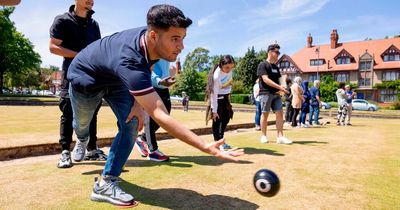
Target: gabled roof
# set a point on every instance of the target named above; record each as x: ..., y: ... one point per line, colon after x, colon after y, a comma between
x: 374, y: 47
x: 288, y: 58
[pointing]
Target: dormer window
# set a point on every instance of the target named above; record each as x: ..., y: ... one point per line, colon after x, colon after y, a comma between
x: 316, y: 62
x: 391, y: 54
x: 343, y: 58
x: 284, y: 64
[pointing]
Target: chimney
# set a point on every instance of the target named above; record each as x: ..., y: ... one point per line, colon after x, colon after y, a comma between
x: 334, y: 39
x: 309, y: 41
x: 178, y: 66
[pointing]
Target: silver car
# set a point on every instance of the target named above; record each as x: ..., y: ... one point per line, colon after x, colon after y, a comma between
x: 361, y: 104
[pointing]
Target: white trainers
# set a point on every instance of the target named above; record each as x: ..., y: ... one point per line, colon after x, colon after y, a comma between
x: 283, y: 140
x: 264, y: 139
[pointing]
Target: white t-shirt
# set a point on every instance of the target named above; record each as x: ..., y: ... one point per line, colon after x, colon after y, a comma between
x: 341, y: 96
x: 220, y: 78
x: 256, y: 91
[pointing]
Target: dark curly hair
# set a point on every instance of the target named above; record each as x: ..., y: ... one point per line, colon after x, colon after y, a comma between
x: 164, y: 16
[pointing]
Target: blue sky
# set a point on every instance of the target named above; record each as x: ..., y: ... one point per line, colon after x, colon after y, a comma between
x: 227, y: 26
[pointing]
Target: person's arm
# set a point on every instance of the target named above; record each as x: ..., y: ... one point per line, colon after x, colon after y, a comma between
x: 228, y: 83
x: 56, y: 48
x: 153, y: 105
x: 214, y: 94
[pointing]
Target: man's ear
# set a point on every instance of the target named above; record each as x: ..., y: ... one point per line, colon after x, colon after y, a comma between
x: 153, y: 35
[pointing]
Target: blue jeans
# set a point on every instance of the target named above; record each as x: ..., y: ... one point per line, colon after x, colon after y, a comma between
x: 119, y: 99
x: 258, y: 113
x: 314, y: 110
x: 303, y: 116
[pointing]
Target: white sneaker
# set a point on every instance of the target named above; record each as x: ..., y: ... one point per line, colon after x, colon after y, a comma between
x: 283, y: 140
x: 264, y: 139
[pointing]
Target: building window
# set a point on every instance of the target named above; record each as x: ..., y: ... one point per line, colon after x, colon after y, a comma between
x: 364, y: 82
x: 312, y: 77
x: 316, y: 62
x: 343, y: 60
x: 391, y: 57
x: 365, y: 65
x: 388, y: 95
x: 390, y: 75
x: 284, y: 64
x: 342, y: 77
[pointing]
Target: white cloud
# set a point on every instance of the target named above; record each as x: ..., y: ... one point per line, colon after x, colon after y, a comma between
x: 204, y: 21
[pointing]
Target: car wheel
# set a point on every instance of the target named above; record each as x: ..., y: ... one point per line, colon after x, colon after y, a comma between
x: 371, y: 109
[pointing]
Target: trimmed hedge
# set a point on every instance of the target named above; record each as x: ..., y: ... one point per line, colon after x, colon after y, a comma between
x: 240, y: 98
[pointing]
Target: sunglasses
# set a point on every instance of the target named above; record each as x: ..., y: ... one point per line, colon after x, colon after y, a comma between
x: 277, y: 52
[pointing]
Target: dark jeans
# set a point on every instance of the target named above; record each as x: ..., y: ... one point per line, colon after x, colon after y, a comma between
x: 294, y: 118
x: 289, y: 111
x: 258, y: 113
x: 151, y: 126
x: 219, y: 125
x: 66, y: 130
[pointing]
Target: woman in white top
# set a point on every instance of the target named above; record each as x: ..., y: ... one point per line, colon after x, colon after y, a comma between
x: 218, y: 91
x: 297, y: 99
x: 256, y: 91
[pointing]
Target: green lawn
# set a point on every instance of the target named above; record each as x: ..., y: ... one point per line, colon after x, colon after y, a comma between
x: 329, y: 167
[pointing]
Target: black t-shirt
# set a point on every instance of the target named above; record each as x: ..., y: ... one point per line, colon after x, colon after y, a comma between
x: 76, y: 33
x: 272, y: 71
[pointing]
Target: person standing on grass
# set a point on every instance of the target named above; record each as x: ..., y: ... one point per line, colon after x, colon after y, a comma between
x: 256, y: 95
x: 297, y: 99
x: 118, y: 69
x: 350, y: 95
x: 305, y: 106
x: 342, y: 105
x: 69, y: 34
x: 270, y: 98
x: 288, y: 102
x: 315, y: 103
x: 218, y: 93
x: 146, y: 143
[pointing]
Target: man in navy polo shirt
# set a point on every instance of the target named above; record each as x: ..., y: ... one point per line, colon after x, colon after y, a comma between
x: 117, y: 68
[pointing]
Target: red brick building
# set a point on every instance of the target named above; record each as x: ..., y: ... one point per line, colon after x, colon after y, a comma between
x: 365, y: 63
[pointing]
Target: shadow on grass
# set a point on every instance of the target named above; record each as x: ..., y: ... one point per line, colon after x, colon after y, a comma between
x: 176, y: 198
x: 252, y: 151
x: 310, y: 142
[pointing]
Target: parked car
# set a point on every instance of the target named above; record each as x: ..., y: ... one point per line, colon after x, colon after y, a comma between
x: 325, y: 105
x: 176, y: 98
x: 361, y: 104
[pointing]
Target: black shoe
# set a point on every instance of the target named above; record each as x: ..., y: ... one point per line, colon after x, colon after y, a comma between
x: 96, y: 154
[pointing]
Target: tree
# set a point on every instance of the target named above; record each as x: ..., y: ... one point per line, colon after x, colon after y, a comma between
x: 198, y: 60
x: 191, y: 82
x: 328, y: 88
x: 246, y: 70
x: 16, y: 52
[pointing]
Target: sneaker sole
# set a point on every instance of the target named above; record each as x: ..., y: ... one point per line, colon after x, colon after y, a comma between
x: 64, y: 166
x: 157, y: 160
x: 101, y: 198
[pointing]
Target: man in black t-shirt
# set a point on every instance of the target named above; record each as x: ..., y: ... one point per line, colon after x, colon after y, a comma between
x: 270, y: 88
x: 69, y: 34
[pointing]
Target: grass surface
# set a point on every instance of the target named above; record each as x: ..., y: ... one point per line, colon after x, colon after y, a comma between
x: 328, y: 167
x: 26, y: 125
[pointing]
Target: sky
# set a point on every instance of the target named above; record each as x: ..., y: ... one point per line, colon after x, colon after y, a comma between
x: 227, y: 26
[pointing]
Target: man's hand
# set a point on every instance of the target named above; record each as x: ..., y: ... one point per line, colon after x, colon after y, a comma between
x: 136, y: 111
x: 167, y: 81
x: 213, y: 149
x: 284, y: 90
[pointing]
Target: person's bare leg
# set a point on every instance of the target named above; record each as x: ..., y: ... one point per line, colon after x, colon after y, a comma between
x: 264, y: 123
x: 279, y: 123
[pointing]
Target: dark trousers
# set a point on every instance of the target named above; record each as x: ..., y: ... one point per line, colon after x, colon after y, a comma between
x: 66, y: 129
x: 289, y: 111
x: 219, y: 125
x: 294, y: 118
x: 150, y: 125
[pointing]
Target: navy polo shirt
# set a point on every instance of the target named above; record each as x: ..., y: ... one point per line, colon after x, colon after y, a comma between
x: 114, y: 60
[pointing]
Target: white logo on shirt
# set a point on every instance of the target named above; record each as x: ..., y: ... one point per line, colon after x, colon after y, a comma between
x: 274, y: 70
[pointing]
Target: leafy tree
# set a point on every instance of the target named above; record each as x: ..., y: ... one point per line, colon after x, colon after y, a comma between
x: 198, y: 60
x: 191, y: 82
x: 16, y: 52
x: 246, y: 70
x: 328, y: 88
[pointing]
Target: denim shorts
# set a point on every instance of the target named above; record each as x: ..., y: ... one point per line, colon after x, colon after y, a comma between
x: 270, y: 101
